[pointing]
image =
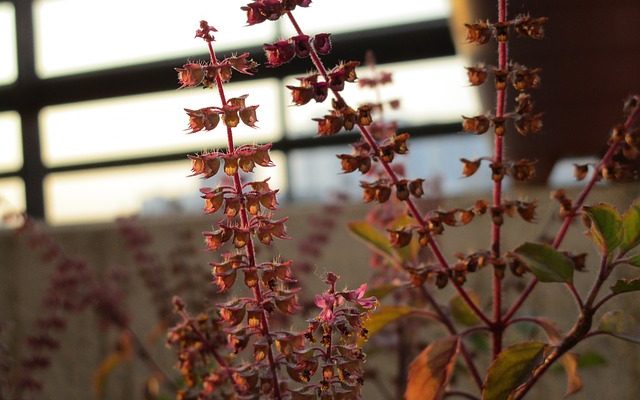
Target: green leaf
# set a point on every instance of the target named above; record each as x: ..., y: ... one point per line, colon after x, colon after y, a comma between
x: 431, y: 371
x: 546, y: 263
x: 461, y: 312
x: 511, y: 369
x: 616, y: 323
x: 374, y: 238
x: 626, y: 285
x: 383, y: 316
x: 606, y: 226
x: 631, y: 227
x: 634, y: 261
x: 591, y: 359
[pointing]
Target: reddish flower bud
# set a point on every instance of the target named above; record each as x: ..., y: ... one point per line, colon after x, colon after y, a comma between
x: 205, y: 31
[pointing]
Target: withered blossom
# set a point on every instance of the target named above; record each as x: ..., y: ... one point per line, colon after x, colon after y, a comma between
x: 528, y: 124
x: 580, y: 171
x: 525, y: 25
x: 478, y: 33
x: 477, y: 75
x: 479, y: 124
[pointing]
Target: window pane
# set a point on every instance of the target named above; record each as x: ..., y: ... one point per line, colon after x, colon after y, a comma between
x: 102, y: 195
x: 12, y: 197
x: 8, y: 65
x: 316, y: 174
x: 149, y: 124
x: 340, y: 16
x: 11, y: 148
x: 439, y: 158
x: 430, y: 91
x: 79, y: 35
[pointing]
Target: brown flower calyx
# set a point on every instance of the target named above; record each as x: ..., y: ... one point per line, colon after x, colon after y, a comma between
x: 525, y: 209
x: 479, y: 32
x: 528, y: 124
x: 477, y: 75
x: 566, y: 205
x: 524, y: 104
x: 524, y: 78
x: 580, y: 171
x: 522, y: 170
x: 528, y: 26
x: 477, y: 125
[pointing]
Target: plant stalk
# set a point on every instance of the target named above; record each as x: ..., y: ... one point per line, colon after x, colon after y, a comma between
x: 250, y: 249
x: 497, y: 327
x: 413, y: 209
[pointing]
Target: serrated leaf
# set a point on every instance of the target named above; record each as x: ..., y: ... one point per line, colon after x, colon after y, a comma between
x: 626, y: 285
x: 574, y: 382
x: 431, y: 371
x: 631, y: 227
x: 606, y: 226
x: 616, y: 323
x: 383, y: 316
x: 374, y: 238
x: 511, y: 369
x: 461, y: 312
x: 546, y: 263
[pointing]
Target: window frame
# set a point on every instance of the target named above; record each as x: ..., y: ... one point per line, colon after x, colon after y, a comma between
x: 29, y: 94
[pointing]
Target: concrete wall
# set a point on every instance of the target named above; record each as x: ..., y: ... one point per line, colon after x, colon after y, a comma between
x: 23, y: 278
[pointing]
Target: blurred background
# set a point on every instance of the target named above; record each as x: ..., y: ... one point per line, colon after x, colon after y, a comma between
x: 92, y: 125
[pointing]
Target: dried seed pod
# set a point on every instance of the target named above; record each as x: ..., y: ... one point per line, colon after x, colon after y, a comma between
x: 470, y: 166
x: 580, y: 171
x: 523, y: 170
x: 399, y: 238
x: 478, y: 33
x: 525, y: 78
x: 501, y: 76
x: 499, y: 125
x: 527, y: 210
x: 402, y: 190
x: 528, y: 124
x: 478, y: 124
x: 524, y: 104
x: 477, y: 75
x: 498, y: 171
x: 501, y: 31
x: 530, y: 27
x: 415, y: 187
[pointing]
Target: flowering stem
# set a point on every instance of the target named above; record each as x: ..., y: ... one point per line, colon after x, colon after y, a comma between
x: 250, y: 249
x: 595, y: 177
x: 501, y: 99
x: 413, y: 209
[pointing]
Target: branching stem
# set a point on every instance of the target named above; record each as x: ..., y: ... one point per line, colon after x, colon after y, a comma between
x: 250, y: 249
x: 413, y: 209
